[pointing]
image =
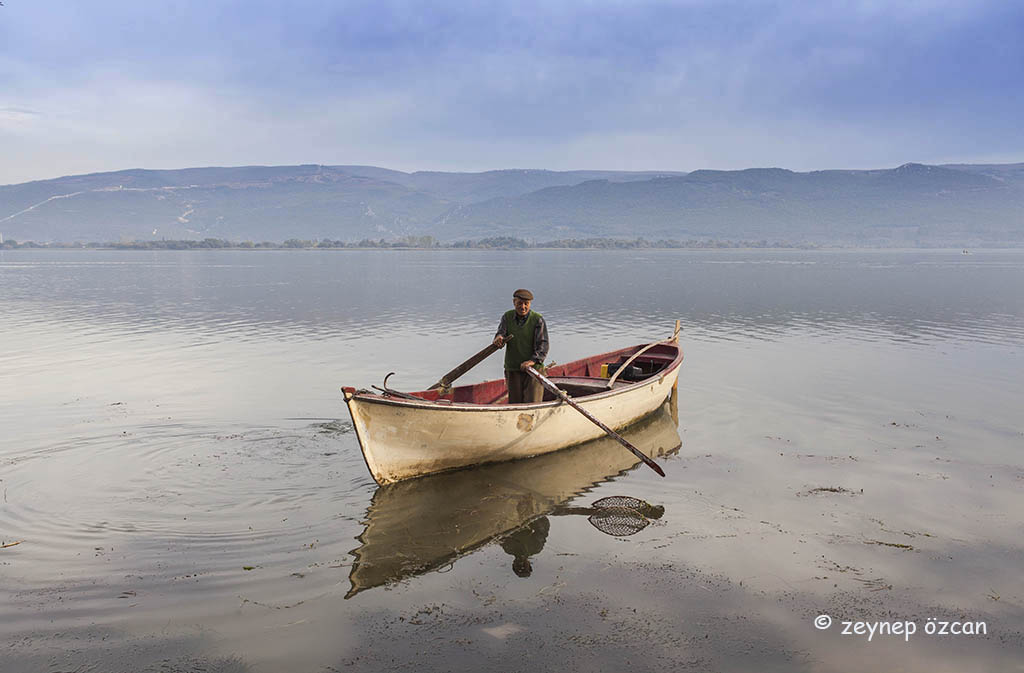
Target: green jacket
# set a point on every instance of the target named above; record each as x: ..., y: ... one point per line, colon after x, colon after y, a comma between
x: 521, y: 348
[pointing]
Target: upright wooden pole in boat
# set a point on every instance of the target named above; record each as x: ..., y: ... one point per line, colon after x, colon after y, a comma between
x: 675, y: 336
x: 447, y: 379
x: 546, y: 382
x: 673, y: 399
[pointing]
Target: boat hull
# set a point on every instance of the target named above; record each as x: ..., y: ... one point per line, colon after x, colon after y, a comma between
x: 403, y: 439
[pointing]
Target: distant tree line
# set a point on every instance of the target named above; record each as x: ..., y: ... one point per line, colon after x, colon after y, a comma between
x: 416, y: 242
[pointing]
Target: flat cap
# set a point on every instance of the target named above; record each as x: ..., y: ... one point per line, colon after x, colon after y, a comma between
x: 523, y: 294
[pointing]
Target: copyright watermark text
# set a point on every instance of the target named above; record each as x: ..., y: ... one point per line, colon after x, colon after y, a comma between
x: 933, y: 626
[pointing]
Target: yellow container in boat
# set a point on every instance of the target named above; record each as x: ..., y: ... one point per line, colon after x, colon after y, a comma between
x: 632, y: 373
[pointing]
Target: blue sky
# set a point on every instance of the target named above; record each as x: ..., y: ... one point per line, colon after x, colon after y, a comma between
x: 602, y: 84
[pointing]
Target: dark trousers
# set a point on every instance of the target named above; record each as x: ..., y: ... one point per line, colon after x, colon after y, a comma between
x: 523, y: 388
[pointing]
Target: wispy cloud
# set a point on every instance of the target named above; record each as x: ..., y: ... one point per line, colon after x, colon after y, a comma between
x: 13, y: 117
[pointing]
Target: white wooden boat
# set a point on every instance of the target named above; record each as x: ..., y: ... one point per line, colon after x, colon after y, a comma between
x: 407, y: 435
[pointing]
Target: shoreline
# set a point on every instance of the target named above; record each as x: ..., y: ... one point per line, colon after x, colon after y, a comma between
x: 725, y: 248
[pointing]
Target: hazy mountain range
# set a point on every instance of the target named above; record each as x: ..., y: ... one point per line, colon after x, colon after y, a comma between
x: 914, y: 204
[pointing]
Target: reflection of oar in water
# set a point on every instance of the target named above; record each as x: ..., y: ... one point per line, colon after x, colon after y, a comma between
x: 618, y: 515
x: 547, y: 383
x: 446, y: 381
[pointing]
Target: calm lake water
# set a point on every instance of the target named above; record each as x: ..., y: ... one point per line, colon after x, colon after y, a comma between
x: 178, y: 469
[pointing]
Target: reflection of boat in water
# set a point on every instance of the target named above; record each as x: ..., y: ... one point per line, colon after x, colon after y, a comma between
x: 416, y: 526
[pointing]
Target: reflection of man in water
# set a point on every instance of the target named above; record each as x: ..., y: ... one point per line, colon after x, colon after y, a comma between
x: 526, y: 541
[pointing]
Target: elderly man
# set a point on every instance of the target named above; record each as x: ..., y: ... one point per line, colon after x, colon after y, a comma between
x: 527, y: 349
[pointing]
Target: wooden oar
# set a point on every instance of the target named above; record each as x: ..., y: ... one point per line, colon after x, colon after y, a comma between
x: 546, y: 382
x: 447, y: 379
